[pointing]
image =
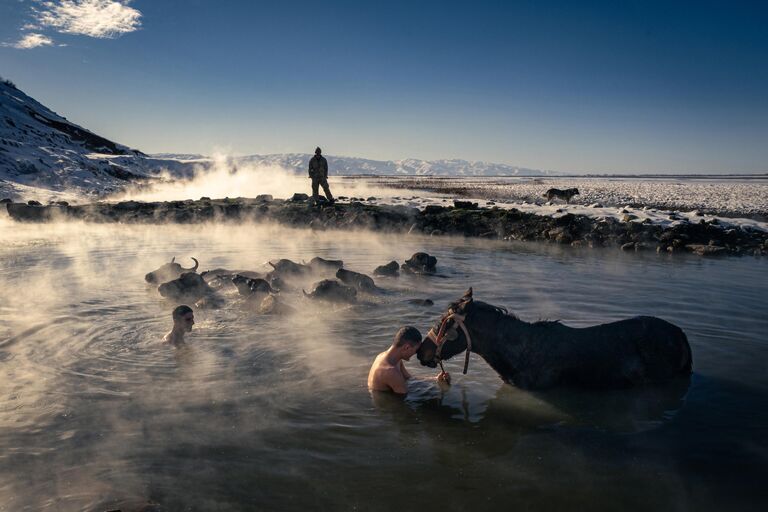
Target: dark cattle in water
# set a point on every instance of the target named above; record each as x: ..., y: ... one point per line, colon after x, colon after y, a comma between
x: 332, y: 290
x: 189, y: 287
x: 220, y: 278
x: 247, y: 286
x: 420, y: 263
x: 271, y: 305
x: 390, y: 269
x: 320, y: 264
x: 289, y: 268
x: 640, y: 350
x: 566, y: 194
x: 169, y: 272
x: 356, y: 279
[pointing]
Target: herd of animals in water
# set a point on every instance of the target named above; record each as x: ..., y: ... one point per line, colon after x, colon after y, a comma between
x: 262, y: 290
x: 626, y: 353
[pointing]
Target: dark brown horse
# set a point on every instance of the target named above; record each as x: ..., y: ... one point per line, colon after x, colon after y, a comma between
x: 542, y: 355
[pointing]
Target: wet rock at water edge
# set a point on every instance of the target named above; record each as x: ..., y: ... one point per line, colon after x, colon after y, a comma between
x: 299, y: 197
x: 706, y: 250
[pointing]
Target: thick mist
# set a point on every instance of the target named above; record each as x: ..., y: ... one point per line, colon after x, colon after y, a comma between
x: 224, y: 178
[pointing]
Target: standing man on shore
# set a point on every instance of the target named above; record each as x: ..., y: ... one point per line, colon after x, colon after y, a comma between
x: 318, y: 172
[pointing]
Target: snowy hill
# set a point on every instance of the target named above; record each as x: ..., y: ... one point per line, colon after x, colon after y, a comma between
x: 39, y: 148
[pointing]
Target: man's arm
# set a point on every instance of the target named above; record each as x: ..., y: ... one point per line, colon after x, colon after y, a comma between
x: 405, y: 372
x: 394, y: 379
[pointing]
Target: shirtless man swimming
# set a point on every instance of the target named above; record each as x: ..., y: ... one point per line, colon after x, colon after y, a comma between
x: 183, y: 320
x: 388, y: 372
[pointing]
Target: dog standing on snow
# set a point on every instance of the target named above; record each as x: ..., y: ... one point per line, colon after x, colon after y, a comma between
x: 566, y: 194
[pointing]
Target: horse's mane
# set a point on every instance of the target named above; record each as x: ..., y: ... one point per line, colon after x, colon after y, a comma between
x: 490, y: 308
x: 502, y: 312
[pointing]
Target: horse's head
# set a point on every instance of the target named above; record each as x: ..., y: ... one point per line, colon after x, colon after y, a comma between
x: 448, y: 336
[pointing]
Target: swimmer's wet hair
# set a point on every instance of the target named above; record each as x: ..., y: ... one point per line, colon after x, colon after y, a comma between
x: 407, y: 334
x: 180, y: 311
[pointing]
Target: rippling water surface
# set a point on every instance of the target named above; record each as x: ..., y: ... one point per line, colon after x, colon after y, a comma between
x: 272, y: 413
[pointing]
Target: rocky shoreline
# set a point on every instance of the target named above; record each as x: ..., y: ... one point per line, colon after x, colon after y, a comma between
x: 705, y: 238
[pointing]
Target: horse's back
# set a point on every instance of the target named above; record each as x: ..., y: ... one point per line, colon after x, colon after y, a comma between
x: 663, y: 347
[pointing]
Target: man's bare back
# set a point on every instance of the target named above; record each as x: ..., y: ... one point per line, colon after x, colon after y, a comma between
x: 388, y: 376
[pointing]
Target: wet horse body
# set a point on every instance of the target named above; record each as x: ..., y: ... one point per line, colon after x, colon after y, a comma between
x: 541, y: 355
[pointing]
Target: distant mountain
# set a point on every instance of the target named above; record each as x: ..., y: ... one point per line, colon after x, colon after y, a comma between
x: 345, y: 166
x: 42, y: 154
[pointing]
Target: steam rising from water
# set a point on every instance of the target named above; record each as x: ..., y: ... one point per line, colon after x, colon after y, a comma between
x: 224, y: 178
x: 95, y: 409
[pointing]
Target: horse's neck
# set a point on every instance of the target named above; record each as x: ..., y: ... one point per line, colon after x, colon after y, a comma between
x: 500, y: 343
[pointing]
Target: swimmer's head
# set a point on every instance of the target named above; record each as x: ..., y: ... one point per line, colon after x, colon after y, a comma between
x: 184, y: 316
x: 407, y: 340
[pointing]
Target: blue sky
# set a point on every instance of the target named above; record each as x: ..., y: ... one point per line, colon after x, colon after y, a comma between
x: 570, y: 86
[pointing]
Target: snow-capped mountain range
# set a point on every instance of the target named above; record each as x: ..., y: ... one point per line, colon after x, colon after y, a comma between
x: 44, y: 154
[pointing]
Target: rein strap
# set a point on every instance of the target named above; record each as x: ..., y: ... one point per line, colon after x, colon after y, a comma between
x: 439, y: 338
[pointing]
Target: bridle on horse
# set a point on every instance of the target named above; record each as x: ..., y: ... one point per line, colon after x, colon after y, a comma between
x: 439, y: 338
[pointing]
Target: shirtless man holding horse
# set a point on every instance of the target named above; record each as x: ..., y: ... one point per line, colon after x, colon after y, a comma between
x: 388, y: 372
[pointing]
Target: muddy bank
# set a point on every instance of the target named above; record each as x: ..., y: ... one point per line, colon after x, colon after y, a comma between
x: 464, y: 218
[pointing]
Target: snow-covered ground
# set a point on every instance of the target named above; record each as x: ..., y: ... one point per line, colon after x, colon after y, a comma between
x: 665, y: 202
x: 745, y: 196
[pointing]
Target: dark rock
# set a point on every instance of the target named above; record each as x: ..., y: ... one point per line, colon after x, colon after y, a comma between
x: 706, y: 250
x: 628, y: 217
x: 34, y: 203
x: 464, y: 205
x: 264, y: 197
x: 434, y: 208
x: 205, y: 198
x: 299, y: 197
x: 390, y: 269
x: 6, y: 200
x: 127, y: 205
x: 629, y: 246
x: 421, y: 302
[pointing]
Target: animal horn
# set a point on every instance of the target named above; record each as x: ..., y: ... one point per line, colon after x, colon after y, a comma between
x: 271, y: 264
x: 468, y: 294
x: 173, y: 259
x: 193, y: 269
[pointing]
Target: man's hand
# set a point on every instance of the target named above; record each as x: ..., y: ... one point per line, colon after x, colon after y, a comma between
x: 444, y: 378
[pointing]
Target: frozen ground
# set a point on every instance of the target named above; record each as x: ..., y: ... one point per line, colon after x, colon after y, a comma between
x: 665, y: 202
x: 729, y: 197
